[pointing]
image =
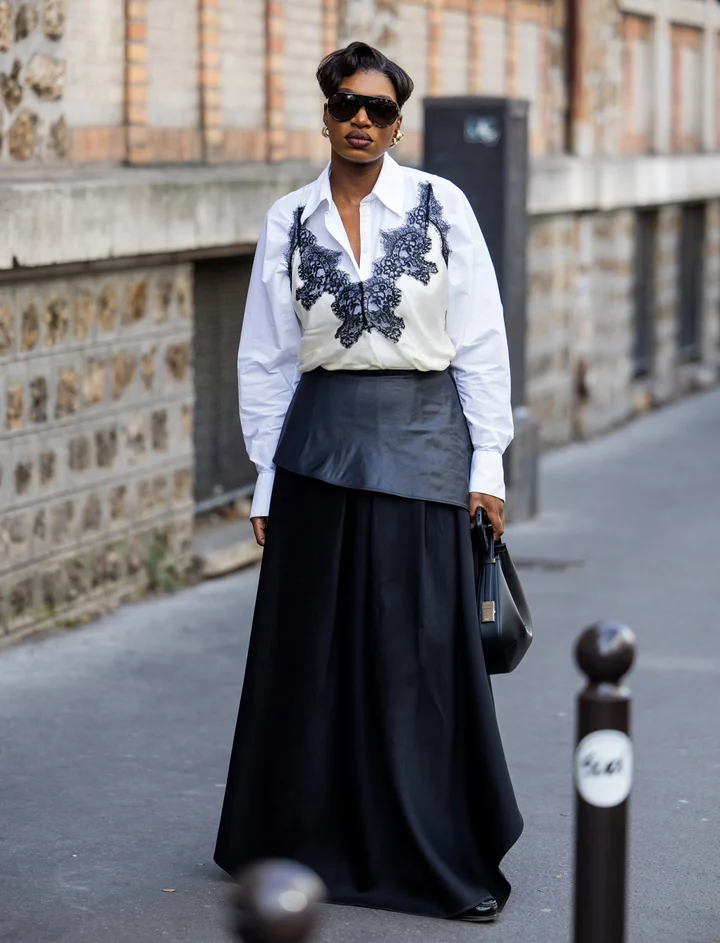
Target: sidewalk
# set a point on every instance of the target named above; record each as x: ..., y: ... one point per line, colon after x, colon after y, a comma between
x: 115, y: 737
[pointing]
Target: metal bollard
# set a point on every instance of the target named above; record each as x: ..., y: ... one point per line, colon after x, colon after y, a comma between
x: 603, y: 778
x: 277, y: 902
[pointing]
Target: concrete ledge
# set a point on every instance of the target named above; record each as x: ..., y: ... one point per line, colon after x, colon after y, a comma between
x: 125, y: 213
x: 680, y: 12
x: 138, y: 212
x: 223, y: 546
x: 575, y: 185
x: 236, y: 557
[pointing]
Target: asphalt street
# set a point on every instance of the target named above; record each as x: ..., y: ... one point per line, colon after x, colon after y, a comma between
x: 116, y: 737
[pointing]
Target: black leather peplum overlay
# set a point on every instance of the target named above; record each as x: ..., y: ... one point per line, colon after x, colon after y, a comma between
x: 400, y: 432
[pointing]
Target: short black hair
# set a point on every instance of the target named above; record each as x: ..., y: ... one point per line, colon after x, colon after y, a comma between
x: 359, y: 57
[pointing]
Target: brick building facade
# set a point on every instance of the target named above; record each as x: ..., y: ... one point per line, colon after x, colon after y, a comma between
x: 141, y: 143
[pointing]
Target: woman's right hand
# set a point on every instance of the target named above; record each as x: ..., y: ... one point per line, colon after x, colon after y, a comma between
x: 260, y: 527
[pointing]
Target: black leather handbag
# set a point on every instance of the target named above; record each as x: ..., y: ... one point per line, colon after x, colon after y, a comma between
x: 505, y: 622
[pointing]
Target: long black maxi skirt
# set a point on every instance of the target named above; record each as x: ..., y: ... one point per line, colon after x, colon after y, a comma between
x: 367, y: 746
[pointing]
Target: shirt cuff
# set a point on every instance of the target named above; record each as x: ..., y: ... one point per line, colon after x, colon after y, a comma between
x: 263, y: 493
x: 486, y: 473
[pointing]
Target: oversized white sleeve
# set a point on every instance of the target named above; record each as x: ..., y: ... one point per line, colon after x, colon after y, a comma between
x: 481, y: 365
x: 267, y: 357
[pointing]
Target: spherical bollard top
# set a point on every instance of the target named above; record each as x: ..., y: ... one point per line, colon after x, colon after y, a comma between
x: 276, y: 902
x: 605, y: 651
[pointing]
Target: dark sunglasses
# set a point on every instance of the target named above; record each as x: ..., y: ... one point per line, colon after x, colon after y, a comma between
x: 342, y: 106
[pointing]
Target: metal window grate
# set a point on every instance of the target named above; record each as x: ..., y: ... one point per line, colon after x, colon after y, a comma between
x: 646, y: 234
x: 690, y: 274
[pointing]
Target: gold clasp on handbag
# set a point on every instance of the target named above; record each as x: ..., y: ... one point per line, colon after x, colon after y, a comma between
x: 488, y: 611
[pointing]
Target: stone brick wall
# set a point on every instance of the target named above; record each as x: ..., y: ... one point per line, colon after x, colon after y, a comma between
x: 530, y: 78
x: 554, y: 316
x: 686, y: 121
x: 173, y: 91
x: 275, y: 76
x: 493, y: 55
x: 711, y: 320
x: 493, y: 47
x: 603, y: 383
x: 663, y: 380
x: 717, y: 97
x: 412, y: 56
x: 243, y: 63
x: 173, y: 64
x: 231, y: 80
x: 581, y: 281
x: 303, y: 98
x: 455, y: 49
x: 555, y: 84
x: 598, y: 100
x: 96, y: 447
x: 165, y: 81
x: 94, y: 45
x: 372, y: 21
x: 33, y: 73
x: 637, y: 84
x: 303, y: 52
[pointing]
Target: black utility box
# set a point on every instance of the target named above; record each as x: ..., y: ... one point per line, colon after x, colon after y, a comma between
x: 481, y: 144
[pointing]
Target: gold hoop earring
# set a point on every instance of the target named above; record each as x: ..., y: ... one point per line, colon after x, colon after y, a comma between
x: 397, y: 137
x: 325, y: 131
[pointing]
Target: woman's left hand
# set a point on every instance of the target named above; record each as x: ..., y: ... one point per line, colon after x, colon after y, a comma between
x: 495, y: 508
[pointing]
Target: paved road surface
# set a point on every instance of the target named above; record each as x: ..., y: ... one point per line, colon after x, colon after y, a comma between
x: 115, y: 738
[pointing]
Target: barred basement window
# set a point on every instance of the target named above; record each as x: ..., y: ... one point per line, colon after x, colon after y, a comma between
x: 222, y: 469
x: 646, y: 232
x: 690, y: 293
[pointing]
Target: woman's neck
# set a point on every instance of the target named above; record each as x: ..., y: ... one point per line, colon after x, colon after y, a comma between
x: 350, y: 182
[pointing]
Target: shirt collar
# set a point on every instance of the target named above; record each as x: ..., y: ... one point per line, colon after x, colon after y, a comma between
x: 390, y: 186
x: 389, y: 189
x: 318, y: 192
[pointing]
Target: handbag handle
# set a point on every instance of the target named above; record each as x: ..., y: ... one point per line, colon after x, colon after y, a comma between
x: 485, y: 529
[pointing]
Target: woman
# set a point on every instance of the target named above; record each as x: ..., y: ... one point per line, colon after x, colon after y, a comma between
x: 374, y: 391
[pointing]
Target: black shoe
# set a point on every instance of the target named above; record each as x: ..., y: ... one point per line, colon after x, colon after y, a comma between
x: 484, y: 912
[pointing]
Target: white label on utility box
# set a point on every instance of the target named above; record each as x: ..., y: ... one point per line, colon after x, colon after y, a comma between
x: 604, y: 768
x: 484, y: 129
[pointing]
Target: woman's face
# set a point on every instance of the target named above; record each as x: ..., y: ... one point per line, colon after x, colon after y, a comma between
x: 359, y: 140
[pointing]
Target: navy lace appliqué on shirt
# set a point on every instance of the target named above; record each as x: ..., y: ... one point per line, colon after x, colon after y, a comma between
x: 370, y: 305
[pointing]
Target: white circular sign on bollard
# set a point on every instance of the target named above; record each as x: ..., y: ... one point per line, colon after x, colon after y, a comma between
x: 604, y: 768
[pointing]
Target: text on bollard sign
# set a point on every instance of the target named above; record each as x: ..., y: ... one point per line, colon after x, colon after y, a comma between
x: 604, y: 768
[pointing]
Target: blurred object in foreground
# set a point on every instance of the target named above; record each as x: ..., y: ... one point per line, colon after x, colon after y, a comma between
x: 277, y: 902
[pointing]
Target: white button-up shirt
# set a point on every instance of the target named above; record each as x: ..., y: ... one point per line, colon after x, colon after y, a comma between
x: 445, y: 310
